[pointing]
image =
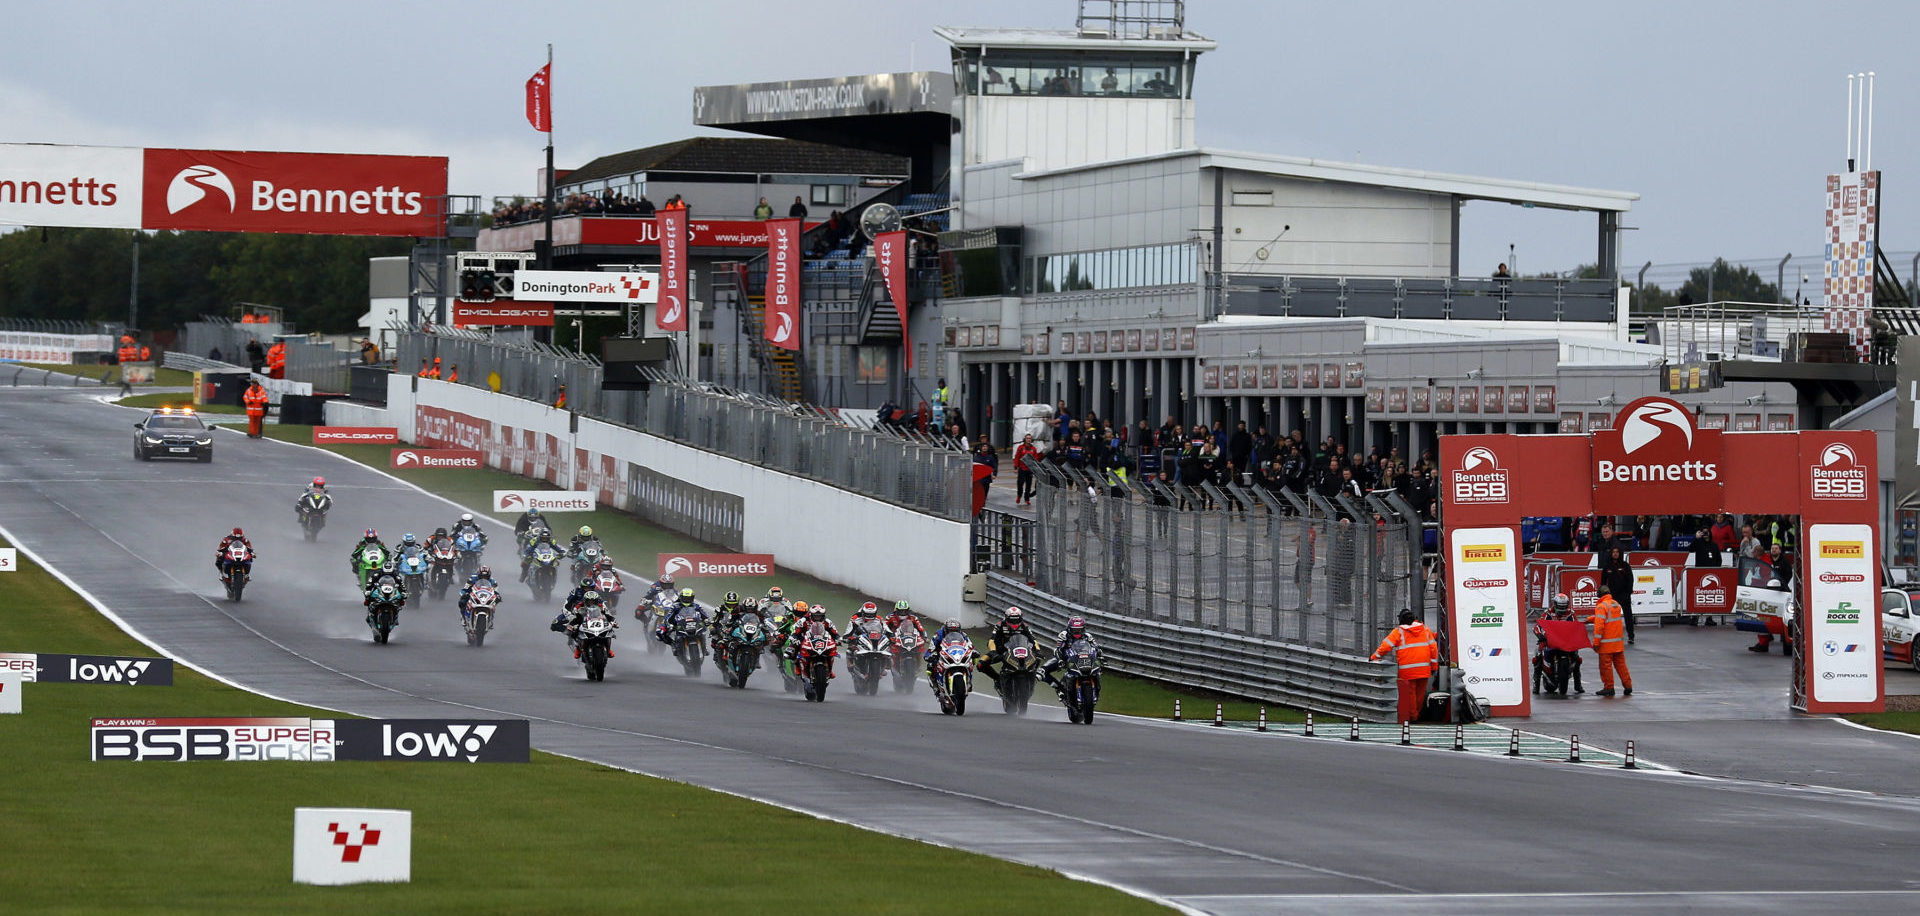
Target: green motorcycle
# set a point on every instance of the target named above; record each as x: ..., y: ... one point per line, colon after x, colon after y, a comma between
x: 366, y: 561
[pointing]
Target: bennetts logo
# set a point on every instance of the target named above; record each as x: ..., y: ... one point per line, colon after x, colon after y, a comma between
x: 191, y: 185
x: 1839, y: 474
x: 1655, y: 460
x: 1480, y: 479
x: 1647, y: 425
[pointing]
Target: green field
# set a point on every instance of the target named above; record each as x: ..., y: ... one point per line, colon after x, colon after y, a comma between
x: 553, y: 836
x: 1908, y: 722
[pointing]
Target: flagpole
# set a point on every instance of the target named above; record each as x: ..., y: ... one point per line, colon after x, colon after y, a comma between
x: 547, y: 262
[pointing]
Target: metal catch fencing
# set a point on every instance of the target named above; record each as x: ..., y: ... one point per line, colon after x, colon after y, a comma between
x: 792, y: 439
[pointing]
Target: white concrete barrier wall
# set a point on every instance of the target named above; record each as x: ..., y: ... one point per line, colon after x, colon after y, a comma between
x: 865, y: 544
x: 341, y: 413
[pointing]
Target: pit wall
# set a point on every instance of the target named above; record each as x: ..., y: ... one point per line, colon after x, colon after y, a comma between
x: 832, y: 534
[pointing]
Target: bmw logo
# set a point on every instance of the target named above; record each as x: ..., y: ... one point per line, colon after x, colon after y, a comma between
x: 1830, y: 647
x: 1474, y: 652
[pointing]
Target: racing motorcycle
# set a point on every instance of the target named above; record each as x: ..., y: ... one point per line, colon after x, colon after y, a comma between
x: 444, y: 558
x: 594, y: 638
x: 384, y: 614
x: 584, y: 558
x: 687, y: 636
x: 784, y: 661
x: 411, y: 563
x: 239, y: 562
x: 1019, y: 667
x: 651, y: 613
x: 907, y: 653
x: 813, y: 660
x: 608, y: 584
x: 739, y: 656
x: 482, y: 604
x: 1082, y: 688
x: 367, y: 562
x: 544, y: 571
x: 312, y: 509
x: 953, y: 673
x: 871, y: 655
x: 469, y: 545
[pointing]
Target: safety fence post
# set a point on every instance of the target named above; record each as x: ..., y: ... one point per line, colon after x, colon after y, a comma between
x: 1263, y: 720
x: 1573, y: 749
x: 1459, y: 737
x: 1513, y: 743
x: 1176, y: 709
x: 1309, y: 729
x: 1629, y: 764
x: 1219, y: 718
x: 1354, y: 735
x: 1406, y: 733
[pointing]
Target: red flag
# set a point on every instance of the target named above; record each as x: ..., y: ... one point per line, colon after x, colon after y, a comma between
x: 540, y: 98
x: 783, y: 283
x: 890, y: 252
x: 671, y: 313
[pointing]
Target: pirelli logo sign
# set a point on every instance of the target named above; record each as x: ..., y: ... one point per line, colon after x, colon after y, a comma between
x: 1843, y: 550
x: 1483, y: 553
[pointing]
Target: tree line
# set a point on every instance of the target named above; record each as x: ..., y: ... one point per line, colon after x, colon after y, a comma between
x: 83, y: 274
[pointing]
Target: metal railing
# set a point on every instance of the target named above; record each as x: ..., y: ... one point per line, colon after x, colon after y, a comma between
x: 754, y: 428
x: 59, y: 326
x: 201, y: 338
x: 322, y: 365
x: 1263, y: 669
x: 1458, y: 298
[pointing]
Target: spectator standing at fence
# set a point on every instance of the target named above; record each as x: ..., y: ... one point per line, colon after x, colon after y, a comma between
x: 942, y: 397
x: 1163, y: 505
x: 1725, y: 536
x: 369, y: 354
x: 1026, y: 460
x: 1240, y: 449
x: 453, y: 375
x: 1415, y: 651
x: 256, y: 355
x: 798, y: 210
x: 1342, y: 562
x: 560, y: 398
x: 763, y: 210
x: 1705, y: 551
x: 1750, y: 546
x: 1617, y: 574
x: 1061, y: 419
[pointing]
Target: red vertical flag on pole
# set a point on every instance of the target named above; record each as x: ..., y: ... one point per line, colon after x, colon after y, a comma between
x: 783, y: 283
x: 540, y: 98
x: 671, y: 313
x: 890, y: 253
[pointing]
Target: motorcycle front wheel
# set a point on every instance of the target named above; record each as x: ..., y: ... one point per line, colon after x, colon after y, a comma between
x: 479, y: 635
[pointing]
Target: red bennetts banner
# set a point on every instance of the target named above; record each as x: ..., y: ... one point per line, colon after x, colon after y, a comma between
x: 671, y: 313
x: 783, y: 283
x: 502, y: 312
x: 890, y: 252
x: 540, y: 99
x: 314, y: 193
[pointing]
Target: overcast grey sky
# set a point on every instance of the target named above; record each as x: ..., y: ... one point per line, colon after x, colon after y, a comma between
x: 1724, y: 116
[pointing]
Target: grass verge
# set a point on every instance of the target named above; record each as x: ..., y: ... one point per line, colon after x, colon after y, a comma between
x: 1908, y: 722
x: 635, y: 545
x: 169, y: 837
x: 162, y: 378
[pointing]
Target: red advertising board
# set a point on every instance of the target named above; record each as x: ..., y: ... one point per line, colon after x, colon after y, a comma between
x: 890, y: 253
x: 1655, y: 461
x: 671, y: 313
x: 683, y: 565
x: 437, y: 458
x: 319, y: 193
x: 783, y: 283
x: 436, y: 426
x: 1578, y: 559
x: 1536, y: 576
x: 355, y: 435
x: 1658, y: 558
x: 1709, y: 590
x: 1582, y: 588
x: 502, y: 312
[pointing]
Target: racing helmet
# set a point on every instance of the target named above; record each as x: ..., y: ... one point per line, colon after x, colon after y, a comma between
x: 605, y: 563
x: 236, y: 532
x: 750, y: 604
x: 466, y: 516
x: 686, y: 596
x: 534, y: 513
x: 320, y: 482
x: 1561, y: 602
x: 953, y: 623
x: 440, y: 532
x: 592, y: 595
x: 1076, y: 628
x: 408, y: 539
x: 486, y: 572
x: 1015, y: 617
x: 586, y: 531
x: 775, y: 594
x: 799, y: 607
x: 902, y: 607
x: 817, y: 614
x: 666, y: 578
x: 731, y: 598
x: 869, y: 610
x: 372, y: 535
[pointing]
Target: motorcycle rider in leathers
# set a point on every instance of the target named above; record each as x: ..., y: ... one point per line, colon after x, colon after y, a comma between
x: 1014, y: 621
x: 933, y: 642
x: 220, y: 553
x: 1076, y: 630
x: 386, y: 575
x: 481, y: 576
x: 466, y: 523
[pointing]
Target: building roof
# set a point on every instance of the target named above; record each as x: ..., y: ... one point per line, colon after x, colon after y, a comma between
x: 1532, y: 193
x: 745, y: 155
x: 1068, y: 40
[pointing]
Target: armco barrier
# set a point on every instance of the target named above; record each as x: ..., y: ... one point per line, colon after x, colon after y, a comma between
x: 887, y: 551
x: 1244, y: 666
